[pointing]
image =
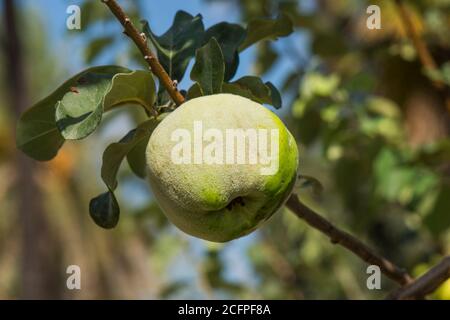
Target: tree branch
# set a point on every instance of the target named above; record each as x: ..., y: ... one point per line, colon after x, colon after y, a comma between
x: 426, y: 284
x: 348, y: 241
x: 141, y: 42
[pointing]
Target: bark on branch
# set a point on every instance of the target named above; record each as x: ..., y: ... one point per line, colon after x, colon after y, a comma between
x: 348, y: 241
x: 140, y: 41
x: 426, y: 284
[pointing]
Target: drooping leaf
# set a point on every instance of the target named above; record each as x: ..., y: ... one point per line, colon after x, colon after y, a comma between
x: 37, y: 134
x: 275, y: 95
x: 263, y: 29
x: 229, y: 36
x: 177, y: 46
x: 209, y: 68
x: 104, y: 210
x: 255, y: 89
x: 80, y: 111
x: 115, y: 153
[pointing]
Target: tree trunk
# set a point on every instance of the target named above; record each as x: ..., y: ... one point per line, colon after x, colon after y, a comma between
x: 38, y: 277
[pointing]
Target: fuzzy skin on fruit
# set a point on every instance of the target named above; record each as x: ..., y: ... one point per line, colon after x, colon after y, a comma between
x: 219, y: 202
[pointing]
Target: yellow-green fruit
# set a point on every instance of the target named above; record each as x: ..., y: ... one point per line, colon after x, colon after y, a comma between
x: 443, y: 292
x: 214, y: 200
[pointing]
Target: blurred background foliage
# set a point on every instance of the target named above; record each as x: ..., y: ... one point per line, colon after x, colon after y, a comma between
x: 371, y: 128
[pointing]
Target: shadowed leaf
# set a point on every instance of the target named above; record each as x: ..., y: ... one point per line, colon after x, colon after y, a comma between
x: 267, y: 29
x: 115, y: 153
x: 194, y: 91
x: 438, y: 219
x: 255, y: 89
x: 209, y: 68
x: 96, y: 47
x: 229, y: 36
x: 177, y: 46
x: 104, y: 210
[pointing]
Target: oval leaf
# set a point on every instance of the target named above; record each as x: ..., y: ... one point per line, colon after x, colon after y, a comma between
x: 264, y: 29
x: 116, y: 152
x: 177, y: 46
x: 209, y: 68
x: 80, y: 112
x: 136, y: 87
x: 255, y: 89
x: 229, y: 36
x: 104, y: 210
x: 37, y: 134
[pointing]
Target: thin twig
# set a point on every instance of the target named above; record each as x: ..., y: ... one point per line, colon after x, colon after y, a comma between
x: 141, y: 42
x: 348, y: 241
x: 426, y: 284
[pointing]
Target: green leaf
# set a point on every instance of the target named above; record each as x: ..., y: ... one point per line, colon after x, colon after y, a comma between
x: 177, y: 46
x: 438, y: 220
x: 37, y: 134
x: 275, y: 95
x: 96, y: 47
x: 209, y: 68
x: 80, y: 112
x: 136, y: 159
x: 104, y: 210
x: 255, y: 89
x: 264, y: 29
x: 116, y: 152
x: 136, y: 87
x: 229, y: 36
x: 194, y: 91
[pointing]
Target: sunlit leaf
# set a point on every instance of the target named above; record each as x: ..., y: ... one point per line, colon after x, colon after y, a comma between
x: 37, y: 134
x: 80, y: 111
